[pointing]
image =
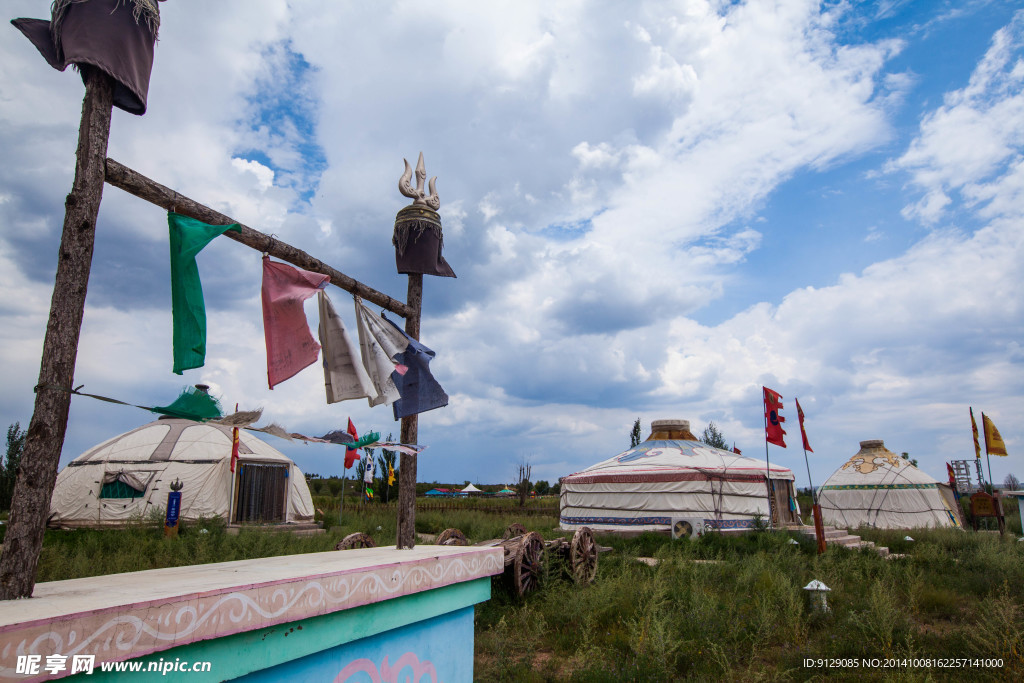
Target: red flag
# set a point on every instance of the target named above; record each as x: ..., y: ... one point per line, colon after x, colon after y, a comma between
x: 773, y: 430
x: 234, y: 444
x: 351, y: 454
x: 803, y: 433
x: 290, y: 346
x: 952, y: 476
x: 736, y: 450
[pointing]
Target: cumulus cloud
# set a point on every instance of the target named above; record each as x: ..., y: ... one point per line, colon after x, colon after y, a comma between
x: 599, y: 171
x: 264, y: 175
x: 975, y: 136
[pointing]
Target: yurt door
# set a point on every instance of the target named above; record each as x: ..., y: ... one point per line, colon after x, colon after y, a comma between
x: 262, y: 490
x: 782, y: 502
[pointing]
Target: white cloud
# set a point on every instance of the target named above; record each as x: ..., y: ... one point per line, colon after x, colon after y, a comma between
x: 968, y: 141
x: 595, y: 156
x: 264, y: 175
x: 665, y: 77
x: 598, y: 171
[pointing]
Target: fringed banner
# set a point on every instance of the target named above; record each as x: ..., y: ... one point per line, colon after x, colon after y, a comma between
x: 198, y: 406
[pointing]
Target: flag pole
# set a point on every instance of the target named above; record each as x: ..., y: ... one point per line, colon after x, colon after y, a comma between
x: 814, y: 498
x: 988, y: 458
x: 768, y: 466
x: 819, y: 525
x: 234, y: 475
x: 341, y: 503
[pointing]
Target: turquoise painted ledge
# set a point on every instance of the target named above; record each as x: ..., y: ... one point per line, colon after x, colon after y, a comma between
x: 136, y: 615
x: 242, y: 653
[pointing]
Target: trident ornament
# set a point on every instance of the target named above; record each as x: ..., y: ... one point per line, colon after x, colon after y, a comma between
x: 418, y: 196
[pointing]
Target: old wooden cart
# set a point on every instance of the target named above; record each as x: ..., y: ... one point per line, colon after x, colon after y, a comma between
x: 524, y: 553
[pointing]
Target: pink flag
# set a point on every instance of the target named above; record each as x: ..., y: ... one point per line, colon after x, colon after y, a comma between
x: 290, y: 346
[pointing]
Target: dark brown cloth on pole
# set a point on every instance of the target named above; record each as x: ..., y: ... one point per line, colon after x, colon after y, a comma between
x: 102, y: 34
x: 418, y: 242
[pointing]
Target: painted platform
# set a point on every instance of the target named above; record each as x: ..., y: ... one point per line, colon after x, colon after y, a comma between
x: 248, y: 616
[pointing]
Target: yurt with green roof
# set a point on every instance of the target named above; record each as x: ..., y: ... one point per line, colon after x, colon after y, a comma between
x: 877, y: 488
x: 129, y: 476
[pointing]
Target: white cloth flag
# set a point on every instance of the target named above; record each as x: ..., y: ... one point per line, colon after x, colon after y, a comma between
x: 344, y: 375
x: 368, y: 472
x: 379, y: 343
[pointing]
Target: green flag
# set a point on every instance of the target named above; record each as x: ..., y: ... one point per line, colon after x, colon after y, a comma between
x: 192, y: 404
x: 188, y: 312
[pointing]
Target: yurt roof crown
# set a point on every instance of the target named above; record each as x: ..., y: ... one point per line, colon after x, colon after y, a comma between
x: 671, y: 429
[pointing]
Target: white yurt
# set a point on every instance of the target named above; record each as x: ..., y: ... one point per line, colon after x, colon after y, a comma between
x: 878, y: 488
x: 673, y: 476
x: 129, y: 477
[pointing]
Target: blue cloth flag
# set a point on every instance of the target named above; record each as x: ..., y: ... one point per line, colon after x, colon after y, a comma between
x: 419, y: 390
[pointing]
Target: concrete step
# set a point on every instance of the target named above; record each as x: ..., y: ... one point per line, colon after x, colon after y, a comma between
x: 832, y: 535
x: 298, y: 529
x: 846, y: 539
x: 842, y: 537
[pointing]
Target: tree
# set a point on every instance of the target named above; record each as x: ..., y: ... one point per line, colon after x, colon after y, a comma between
x: 387, y: 459
x: 634, y: 436
x: 556, y: 488
x: 542, y: 487
x: 523, y: 482
x: 9, y: 464
x: 912, y: 461
x: 360, y: 469
x: 713, y: 437
x: 1011, y: 482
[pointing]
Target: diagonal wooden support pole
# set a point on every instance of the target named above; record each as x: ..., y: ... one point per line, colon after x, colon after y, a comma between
x: 45, y: 439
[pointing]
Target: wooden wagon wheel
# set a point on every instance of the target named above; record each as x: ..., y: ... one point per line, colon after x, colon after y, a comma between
x: 583, y: 555
x: 451, y: 537
x: 528, y: 565
x: 513, y: 529
x: 356, y: 540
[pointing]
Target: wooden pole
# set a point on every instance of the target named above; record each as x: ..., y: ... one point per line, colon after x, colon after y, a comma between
x: 341, y: 505
x: 819, y: 528
x: 135, y: 183
x: 991, y: 481
x: 410, y: 432
x: 768, y: 476
x: 45, y: 439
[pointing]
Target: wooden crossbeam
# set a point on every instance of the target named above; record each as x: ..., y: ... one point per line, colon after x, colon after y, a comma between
x: 135, y: 183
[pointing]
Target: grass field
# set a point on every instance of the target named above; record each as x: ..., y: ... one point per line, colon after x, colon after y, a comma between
x: 720, y: 608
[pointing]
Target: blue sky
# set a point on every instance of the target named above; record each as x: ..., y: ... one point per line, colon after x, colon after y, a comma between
x: 653, y: 208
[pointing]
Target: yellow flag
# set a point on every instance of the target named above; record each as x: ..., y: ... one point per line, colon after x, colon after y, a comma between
x: 391, y: 475
x: 993, y: 441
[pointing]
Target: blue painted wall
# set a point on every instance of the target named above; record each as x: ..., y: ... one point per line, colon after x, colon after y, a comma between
x: 435, y: 649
